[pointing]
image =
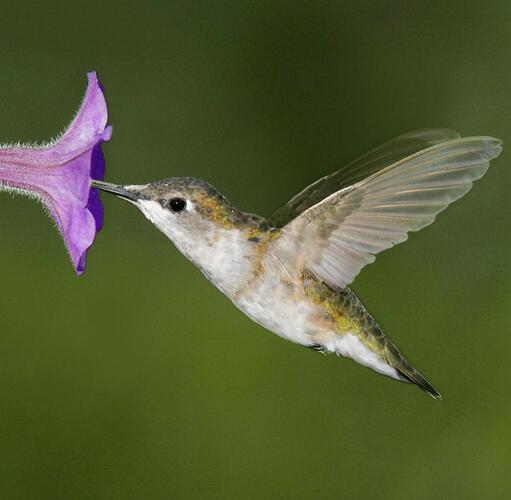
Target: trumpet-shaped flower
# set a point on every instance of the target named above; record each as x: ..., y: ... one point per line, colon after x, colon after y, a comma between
x: 59, y: 174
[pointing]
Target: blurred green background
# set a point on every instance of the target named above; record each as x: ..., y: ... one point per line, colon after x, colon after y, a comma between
x: 139, y: 380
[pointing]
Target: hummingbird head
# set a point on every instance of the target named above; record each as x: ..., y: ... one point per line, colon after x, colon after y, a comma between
x: 188, y: 211
x: 178, y: 203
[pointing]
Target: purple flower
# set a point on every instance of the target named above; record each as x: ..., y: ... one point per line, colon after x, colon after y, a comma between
x: 59, y: 174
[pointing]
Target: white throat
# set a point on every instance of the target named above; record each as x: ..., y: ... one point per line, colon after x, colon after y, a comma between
x: 224, y: 256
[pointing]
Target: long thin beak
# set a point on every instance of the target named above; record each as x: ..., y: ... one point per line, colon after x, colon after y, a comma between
x: 118, y: 190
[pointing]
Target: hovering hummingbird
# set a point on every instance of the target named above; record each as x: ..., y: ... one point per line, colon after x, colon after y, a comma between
x: 290, y: 272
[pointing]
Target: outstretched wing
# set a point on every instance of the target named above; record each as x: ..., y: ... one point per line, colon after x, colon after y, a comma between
x: 337, y: 237
x: 377, y: 159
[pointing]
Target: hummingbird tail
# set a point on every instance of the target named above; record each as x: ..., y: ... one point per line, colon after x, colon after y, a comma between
x: 416, y: 378
x: 406, y: 371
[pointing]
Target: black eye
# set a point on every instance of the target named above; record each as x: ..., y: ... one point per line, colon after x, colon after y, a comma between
x: 177, y: 204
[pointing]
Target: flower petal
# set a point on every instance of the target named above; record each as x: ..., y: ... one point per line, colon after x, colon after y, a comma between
x: 60, y: 173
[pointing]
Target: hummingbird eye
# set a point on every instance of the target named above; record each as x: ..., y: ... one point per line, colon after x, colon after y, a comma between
x: 177, y: 204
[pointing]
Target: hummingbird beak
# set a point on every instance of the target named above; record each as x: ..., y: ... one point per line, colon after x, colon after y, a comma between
x: 129, y: 194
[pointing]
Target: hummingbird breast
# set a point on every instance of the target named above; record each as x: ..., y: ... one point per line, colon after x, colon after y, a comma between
x: 273, y: 299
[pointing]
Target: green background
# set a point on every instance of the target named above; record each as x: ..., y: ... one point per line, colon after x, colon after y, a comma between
x: 139, y: 380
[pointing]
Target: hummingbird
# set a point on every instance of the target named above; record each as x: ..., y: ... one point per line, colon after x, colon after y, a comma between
x: 291, y: 272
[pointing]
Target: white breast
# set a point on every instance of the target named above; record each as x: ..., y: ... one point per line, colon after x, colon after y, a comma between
x: 280, y: 307
x: 226, y: 259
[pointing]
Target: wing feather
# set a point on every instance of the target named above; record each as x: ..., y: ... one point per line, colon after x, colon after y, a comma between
x: 387, y: 154
x: 335, y: 238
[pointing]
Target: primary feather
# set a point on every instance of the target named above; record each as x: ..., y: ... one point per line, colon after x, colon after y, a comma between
x: 361, y: 168
x: 336, y: 237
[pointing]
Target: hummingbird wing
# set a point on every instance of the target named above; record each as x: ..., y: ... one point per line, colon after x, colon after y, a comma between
x: 335, y: 238
x: 377, y: 159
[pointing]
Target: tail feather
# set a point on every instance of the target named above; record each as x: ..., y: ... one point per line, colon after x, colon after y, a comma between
x: 416, y: 378
x: 406, y: 371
